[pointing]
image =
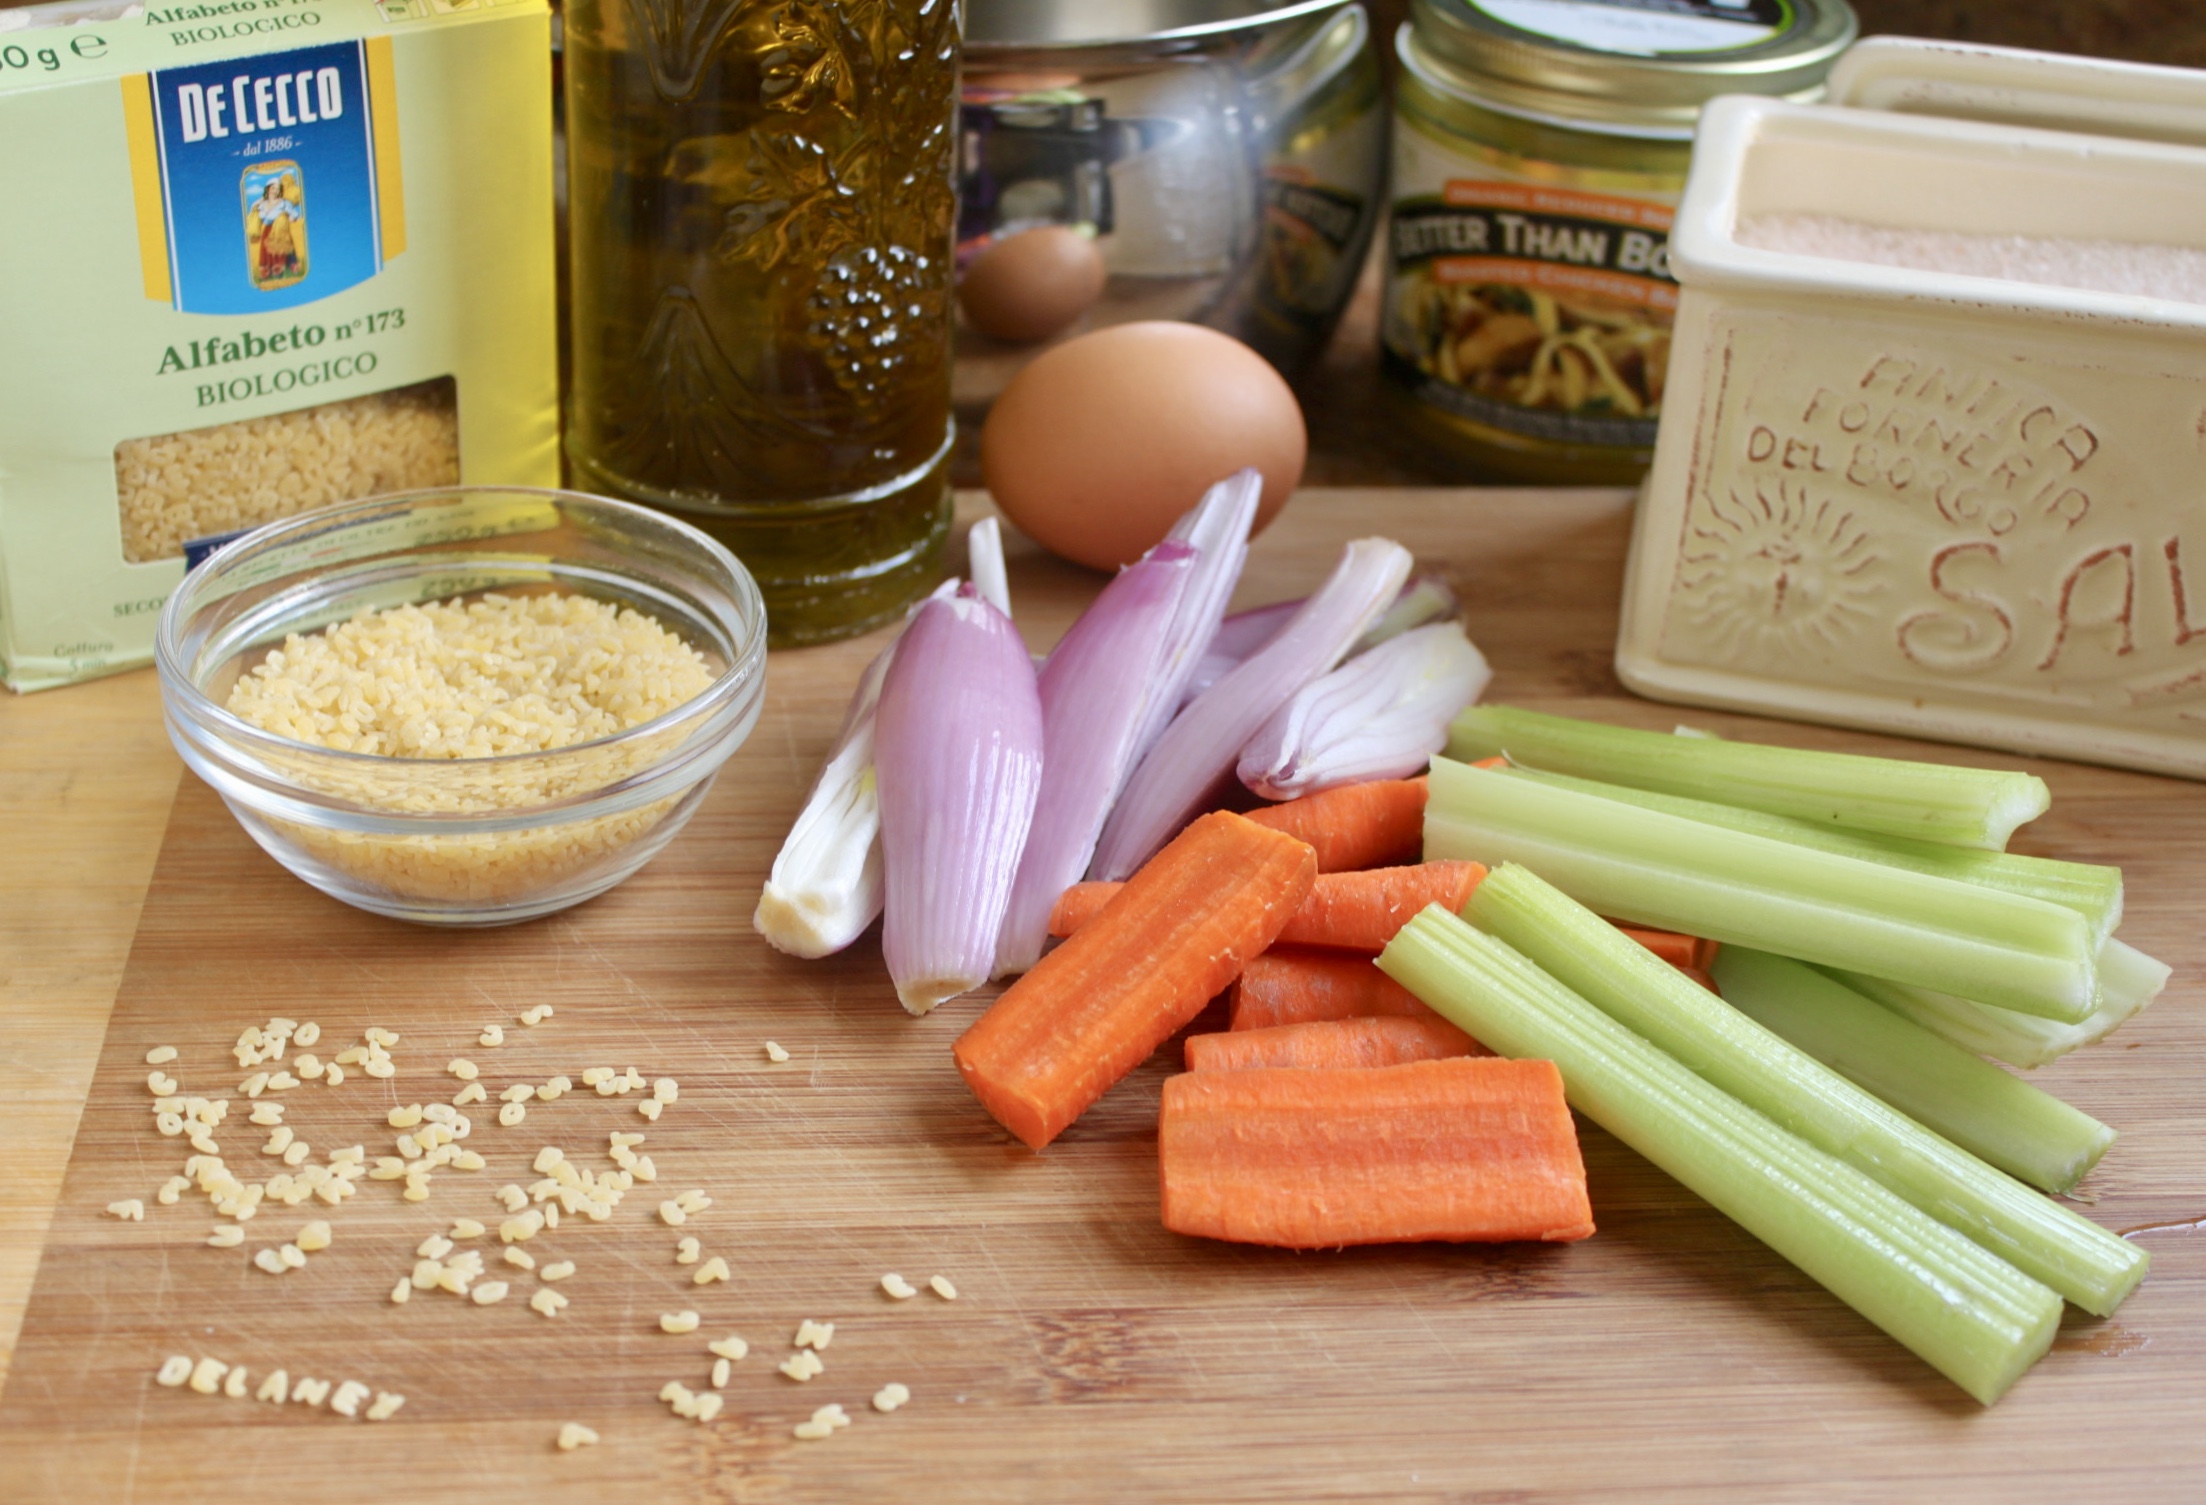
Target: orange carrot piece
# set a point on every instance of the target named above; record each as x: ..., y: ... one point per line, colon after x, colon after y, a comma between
x: 1298, y: 985
x: 1702, y: 976
x: 1678, y: 950
x: 1092, y: 1010
x: 1683, y: 951
x: 1365, y: 1042
x: 1357, y: 911
x: 1361, y: 911
x: 1374, y: 824
x: 1079, y: 904
x: 1476, y: 1148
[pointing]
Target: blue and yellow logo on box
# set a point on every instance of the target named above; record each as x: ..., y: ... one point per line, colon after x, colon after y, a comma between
x: 269, y: 181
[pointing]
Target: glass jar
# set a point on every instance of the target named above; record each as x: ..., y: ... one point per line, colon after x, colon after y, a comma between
x: 1540, y: 148
x: 762, y: 195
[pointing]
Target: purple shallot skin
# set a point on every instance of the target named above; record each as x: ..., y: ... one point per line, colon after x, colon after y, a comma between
x: 958, y: 756
x: 1203, y: 743
x: 1095, y: 689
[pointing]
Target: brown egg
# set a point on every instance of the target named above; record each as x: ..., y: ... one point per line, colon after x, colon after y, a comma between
x: 1099, y: 444
x: 1028, y: 286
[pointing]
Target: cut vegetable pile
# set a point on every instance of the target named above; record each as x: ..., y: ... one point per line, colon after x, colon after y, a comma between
x: 1775, y: 973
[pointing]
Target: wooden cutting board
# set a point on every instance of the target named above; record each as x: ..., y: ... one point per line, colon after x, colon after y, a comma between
x: 1089, y: 1354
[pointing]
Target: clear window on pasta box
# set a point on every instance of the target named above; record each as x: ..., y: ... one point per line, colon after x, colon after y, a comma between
x: 182, y: 495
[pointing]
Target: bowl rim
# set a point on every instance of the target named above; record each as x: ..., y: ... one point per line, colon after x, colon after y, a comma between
x: 178, y: 685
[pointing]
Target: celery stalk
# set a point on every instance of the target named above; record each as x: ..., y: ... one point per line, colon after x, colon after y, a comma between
x: 1973, y: 1317
x: 2075, y: 1256
x: 2091, y: 889
x: 1974, y: 807
x: 2128, y: 980
x: 1654, y: 868
x: 2024, y: 1131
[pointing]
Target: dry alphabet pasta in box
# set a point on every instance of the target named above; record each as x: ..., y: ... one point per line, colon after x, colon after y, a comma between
x: 256, y: 257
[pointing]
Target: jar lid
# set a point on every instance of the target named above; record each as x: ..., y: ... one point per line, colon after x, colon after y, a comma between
x: 1626, y: 67
x: 1002, y: 25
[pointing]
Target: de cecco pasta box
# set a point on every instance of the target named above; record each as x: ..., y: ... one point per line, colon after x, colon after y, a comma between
x: 256, y: 257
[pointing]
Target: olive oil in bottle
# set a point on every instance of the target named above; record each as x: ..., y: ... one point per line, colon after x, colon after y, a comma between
x: 761, y: 204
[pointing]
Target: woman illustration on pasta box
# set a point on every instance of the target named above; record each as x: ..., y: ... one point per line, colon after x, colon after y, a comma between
x: 275, y: 225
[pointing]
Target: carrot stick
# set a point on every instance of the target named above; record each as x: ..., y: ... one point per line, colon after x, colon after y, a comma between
x: 1308, y: 985
x: 1361, y: 911
x: 1090, y: 1011
x: 1293, y: 985
x: 1331, y: 1042
x: 1079, y: 904
x: 1685, y: 952
x: 1347, y: 911
x: 1375, y: 824
x: 1475, y: 1148
x: 1677, y: 950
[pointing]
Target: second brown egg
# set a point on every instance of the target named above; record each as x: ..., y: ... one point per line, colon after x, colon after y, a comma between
x: 1026, y: 287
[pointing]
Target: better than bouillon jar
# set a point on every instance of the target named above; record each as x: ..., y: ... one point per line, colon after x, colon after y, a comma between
x: 1540, y: 148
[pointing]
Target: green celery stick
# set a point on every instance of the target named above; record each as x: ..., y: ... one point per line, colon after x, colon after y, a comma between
x: 2128, y: 980
x: 2092, y: 889
x: 2024, y: 1131
x: 1970, y: 1315
x: 1653, y: 868
x: 2075, y: 1256
x: 1972, y: 807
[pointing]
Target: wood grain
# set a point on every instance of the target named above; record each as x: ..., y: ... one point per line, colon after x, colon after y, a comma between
x: 1091, y: 1356
x: 86, y: 778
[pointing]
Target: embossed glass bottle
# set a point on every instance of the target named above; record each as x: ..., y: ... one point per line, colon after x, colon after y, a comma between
x: 761, y: 204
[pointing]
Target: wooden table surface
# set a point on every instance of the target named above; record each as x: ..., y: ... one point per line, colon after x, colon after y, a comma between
x: 1090, y: 1355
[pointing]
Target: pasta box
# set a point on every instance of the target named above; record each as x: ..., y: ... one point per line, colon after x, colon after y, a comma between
x: 256, y: 257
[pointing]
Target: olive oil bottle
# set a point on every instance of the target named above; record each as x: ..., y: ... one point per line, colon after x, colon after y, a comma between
x: 761, y: 202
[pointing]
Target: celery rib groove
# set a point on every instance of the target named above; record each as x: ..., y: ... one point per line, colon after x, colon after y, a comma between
x: 1654, y: 868
x: 1976, y: 807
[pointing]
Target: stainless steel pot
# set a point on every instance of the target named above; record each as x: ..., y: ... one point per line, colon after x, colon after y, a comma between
x: 1228, y: 156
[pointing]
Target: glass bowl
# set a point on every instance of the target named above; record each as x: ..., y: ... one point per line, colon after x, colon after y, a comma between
x: 461, y: 841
